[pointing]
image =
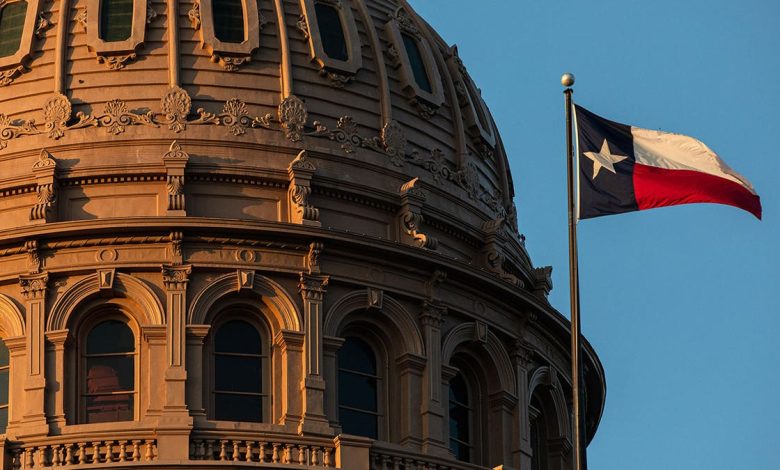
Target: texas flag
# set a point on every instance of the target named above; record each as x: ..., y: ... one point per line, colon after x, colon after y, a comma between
x: 624, y: 168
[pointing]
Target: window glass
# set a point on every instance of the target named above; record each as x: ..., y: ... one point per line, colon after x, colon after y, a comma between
x: 238, y: 373
x: 109, y: 359
x: 116, y: 20
x: 4, y: 377
x: 12, y: 18
x: 228, y: 20
x: 416, y: 61
x: 460, y: 419
x: 358, y: 387
x: 538, y: 437
x: 331, y: 31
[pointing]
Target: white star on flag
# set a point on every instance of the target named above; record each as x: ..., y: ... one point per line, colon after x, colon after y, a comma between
x: 604, y: 159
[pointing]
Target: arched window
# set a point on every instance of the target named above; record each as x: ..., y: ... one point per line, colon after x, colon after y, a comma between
x: 461, y: 419
x: 331, y: 31
x: 116, y: 20
x: 240, y: 360
x: 4, y: 379
x: 538, y: 436
x: 229, y: 20
x: 358, y: 389
x: 12, y: 17
x: 108, y: 392
x: 416, y: 62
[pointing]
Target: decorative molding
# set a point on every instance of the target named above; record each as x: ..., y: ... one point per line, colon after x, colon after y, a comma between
x: 411, y: 218
x: 82, y: 17
x: 106, y: 278
x: 312, y: 287
x: 176, y: 238
x: 116, y: 54
x: 151, y: 13
x: 292, y: 117
x: 300, y: 172
x: 338, y: 72
x: 175, y: 161
x: 374, y: 298
x: 176, y: 105
x: 34, y: 285
x: 246, y: 279
x: 493, y: 250
x: 543, y: 283
x: 34, y: 24
x: 229, y: 56
x: 45, y: 188
x: 176, y: 277
x: 34, y: 262
x: 313, y: 257
x: 194, y: 16
x: 7, y: 76
x: 57, y: 112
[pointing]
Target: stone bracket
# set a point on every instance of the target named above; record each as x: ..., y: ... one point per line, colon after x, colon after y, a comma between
x: 175, y: 161
x: 410, y: 216
x: 45, y: 189
x: 300, y: 173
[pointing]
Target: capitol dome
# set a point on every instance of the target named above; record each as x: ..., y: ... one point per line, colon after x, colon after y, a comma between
x: 264, y: 232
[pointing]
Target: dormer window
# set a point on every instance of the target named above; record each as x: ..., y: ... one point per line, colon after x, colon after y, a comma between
x: 229, y: 20
x: 416, y: 62
x: 116, y: 20
x: 12, y: 17
x: 331, y: 31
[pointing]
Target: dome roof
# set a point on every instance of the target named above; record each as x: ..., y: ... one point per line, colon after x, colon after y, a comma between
x: 394, y: 106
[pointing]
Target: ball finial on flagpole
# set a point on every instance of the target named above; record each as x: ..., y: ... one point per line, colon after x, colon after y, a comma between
x: 567, y: 79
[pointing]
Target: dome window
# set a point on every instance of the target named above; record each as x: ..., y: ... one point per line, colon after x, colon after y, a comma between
x: 414, y: 59
x: 12, y: 18
x: 5, y: 369
x: 461, y: 434
x: 228, y: 20
x: 331, y: 32
x: 240, y: 361
x: 475, y: 113
x: 229, y: 30
x: 334, y: 44
x: 108, y: 392
x: 358, y: 389
x: 116, y: 20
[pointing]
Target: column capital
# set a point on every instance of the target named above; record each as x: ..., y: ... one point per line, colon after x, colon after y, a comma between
x: 523, y: 353
x: 176, y: 277
x: 34, y: 285
x: 312, y: 286
x: 58, y: 338
x: 433, y: 314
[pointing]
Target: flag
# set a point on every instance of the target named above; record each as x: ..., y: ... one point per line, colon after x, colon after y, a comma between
x: 624, y: 168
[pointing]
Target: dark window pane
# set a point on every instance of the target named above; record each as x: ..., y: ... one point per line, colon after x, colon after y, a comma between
x: 461, y: 451
x: 416, y: 61
x: 11, y: 26
x: 357, y: 423
x: 357, y: 391
x: 116, y: 20
x: 460, y: 418
x: 238, y: 374
x: 331, y: 31
x: 459, y: 423
x: 110, y: 374
x: 238, y: 407
x: 108, y: 408
x: 111, y: 336
x: 356, y: 355
x: 228, y: 20
x: 3, y: 387
x: 4, y: 358
x: 3, y: 419
x: 237, y: 337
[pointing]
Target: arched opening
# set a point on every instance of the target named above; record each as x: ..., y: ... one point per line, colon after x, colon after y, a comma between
x: 229, y: 21
x: 416, y: 62
x: 461, y: 420
x: 334, y: 42
x: 240, y: 361
x: 359, y: 387
x: 539, y: 435
x: 109, y: 363
x: 12, y: 17
x: 116, y: 20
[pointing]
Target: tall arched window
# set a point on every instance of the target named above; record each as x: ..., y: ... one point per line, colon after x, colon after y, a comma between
x: 116, y: 20
x: 538, y: 436
x: 108, y: 392
x: 331, y: 31
x: 358, y: 389
x: 229, y: 20
x: 416, y: 62
x: 239, y: 363
x: 12, y: 17
x: 461, y: 419
x: 4, y: 379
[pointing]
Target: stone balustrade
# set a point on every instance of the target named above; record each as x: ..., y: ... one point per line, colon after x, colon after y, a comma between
x: 56, y: 453
x: 304, y: 453
x: 386, y: 457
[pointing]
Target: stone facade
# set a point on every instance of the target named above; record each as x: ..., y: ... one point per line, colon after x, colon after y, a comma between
x: 170, y: 178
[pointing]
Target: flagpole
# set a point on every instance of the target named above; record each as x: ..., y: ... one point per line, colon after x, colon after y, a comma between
x: 574, y: 285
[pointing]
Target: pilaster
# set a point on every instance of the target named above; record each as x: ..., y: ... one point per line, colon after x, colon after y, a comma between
x: 34, y: 288
x: 522, y: 356
x: 432, y: 410
x: 312, y: 289
x: 196, y: 336
x: 289, y: 378
x: 56, y: 341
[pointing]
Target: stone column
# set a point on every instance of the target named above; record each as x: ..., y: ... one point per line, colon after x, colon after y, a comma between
x: 196, y: 335
x: 175, y: 423
x: 522, y: 441
x: 410, y: 369
x: 55, y: 381
x: 501, y: 422
x: 312, y: 288
x: 331, y: 346
x: 34, y: 418
x: 287, y: 379
x: 18, y: 351
x: 432, y: 410
x: 153, y: 372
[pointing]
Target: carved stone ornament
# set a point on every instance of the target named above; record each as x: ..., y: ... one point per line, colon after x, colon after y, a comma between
x: 34, y: 263
x: 175, y: 152
x: 116, y: 62
x: 313, y: 257
x: 411, y: 217
x: 194, y: 15
x: 405, y: 22
x: 246, y: 279
x: 176, y: 277
x: 176, y: 239
x: 45, y: 197
x: 81, y: 18
x: 303, y: 27
x: 115, y: 118
x: 45, y: 160
x: 106, y: 278
x: 41, y: 25
x: 176, y: 105
x: 543, y: 280
x: 293, y: 116
x: 312, y: 287
x: 375, y: 298
x: 34, y: 285
x: 57, y: 112
x: 394, y: 142
x: 300, y: 172
x: 151, y: 13
x: 7, y: 76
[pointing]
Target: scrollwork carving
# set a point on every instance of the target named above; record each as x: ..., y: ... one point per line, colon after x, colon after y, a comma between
x: 293, y: 116
x: 57, y: 112
x: 303, y: 27
x: 176, y: 105
x: 194, y: 15
x: 81, y: 18
x: 300, y: 173
x: 41, y: 25
x: 394, y: 142
x: 8, y: 76
x: 151, y: 13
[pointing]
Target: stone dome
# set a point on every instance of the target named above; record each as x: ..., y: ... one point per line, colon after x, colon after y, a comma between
x: 183, y: 160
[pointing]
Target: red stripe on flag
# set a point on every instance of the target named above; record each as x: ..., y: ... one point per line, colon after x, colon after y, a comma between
x: 659, y: 187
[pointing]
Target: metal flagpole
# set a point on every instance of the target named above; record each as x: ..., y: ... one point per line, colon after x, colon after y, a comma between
x: 574, y: 284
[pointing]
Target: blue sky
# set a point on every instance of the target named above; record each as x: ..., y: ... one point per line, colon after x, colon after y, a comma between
x: 679, y: 302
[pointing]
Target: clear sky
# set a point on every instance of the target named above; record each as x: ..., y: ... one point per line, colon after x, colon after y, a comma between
x: 680, y: 303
